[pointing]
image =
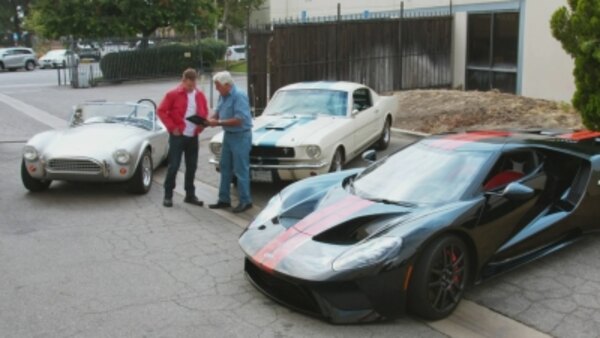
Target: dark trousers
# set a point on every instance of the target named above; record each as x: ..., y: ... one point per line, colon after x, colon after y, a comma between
x: 188, y: 146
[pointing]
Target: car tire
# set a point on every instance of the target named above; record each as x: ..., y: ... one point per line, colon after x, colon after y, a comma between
x: 141, y: 182
x: 440, y: 276
x: 29, y: 65
x: 30, y: 183
x: 1, y: 66
x: 386, y: 135
x: 337, y: 161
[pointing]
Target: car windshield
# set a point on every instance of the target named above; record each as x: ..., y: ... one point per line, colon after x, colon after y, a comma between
x: 421, y: 174
x: 138, y: 115
x: 309, y: 101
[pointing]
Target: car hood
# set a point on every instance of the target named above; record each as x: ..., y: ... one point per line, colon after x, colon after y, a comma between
x: 95, y: 140
x: 291, y: 130
x: 306, y: 247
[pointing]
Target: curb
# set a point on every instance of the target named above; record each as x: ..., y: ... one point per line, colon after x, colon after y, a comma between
x: 410, y: 133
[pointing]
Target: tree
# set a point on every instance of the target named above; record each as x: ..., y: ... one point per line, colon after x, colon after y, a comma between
x: 234, y: 13
x: 578, y: 30
x: 109, y: 18
x: 12, y: 13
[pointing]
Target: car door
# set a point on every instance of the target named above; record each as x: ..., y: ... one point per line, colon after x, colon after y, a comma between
x: 501, y: 218
x: 11, y: 58
x: 364, y: 117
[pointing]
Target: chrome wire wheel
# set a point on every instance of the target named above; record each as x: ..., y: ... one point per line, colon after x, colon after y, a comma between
x: 146, y: 171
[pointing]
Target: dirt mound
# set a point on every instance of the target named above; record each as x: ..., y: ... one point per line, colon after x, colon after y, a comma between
x: 434, y: 111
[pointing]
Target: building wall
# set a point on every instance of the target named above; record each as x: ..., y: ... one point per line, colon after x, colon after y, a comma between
x: 547, y: 70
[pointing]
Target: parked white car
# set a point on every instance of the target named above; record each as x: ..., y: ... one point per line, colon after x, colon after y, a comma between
x: 116, y: 142
x: 235, y: 53
x: 59, y: 58
x: 14, y: 58
x: 313, y: 128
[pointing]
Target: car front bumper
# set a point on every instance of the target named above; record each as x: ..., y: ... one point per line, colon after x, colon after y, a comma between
x: 286, y: 171
x: 79, y: 169
x: 364, y: 299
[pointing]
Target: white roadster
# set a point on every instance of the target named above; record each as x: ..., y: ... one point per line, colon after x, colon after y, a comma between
x: 122, y: 142
x: 313, y: 128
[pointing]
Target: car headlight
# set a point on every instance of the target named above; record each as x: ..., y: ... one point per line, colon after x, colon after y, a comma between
x: 370, y: 252
x: 313, y: 151
x: 122, y: 156
x: 271, y: 210
x: 215, y: 148
x: 30, y: 153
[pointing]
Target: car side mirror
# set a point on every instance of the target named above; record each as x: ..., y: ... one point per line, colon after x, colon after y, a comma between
x: 515, y: 191
x: 355, y: 111
x: 370, y: 156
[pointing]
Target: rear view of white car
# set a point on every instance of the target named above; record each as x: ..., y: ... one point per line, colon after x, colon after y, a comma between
x: 59, y: 58
x: 235, y: 53
x: 17, y: 57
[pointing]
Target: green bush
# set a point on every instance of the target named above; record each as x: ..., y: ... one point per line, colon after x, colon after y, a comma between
x: 170, y: 60
x: 217, y: 47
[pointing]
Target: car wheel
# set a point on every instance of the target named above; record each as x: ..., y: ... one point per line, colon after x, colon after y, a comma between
x: 337, y: 162
x: 1, y: 66
x: 32, y: 184
x: 386, y: 135
x: 440, y: 277
x: 141, y: 182
x: 29, y: 65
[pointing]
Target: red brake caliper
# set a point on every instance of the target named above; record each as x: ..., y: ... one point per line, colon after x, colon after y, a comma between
x: 455, y: 275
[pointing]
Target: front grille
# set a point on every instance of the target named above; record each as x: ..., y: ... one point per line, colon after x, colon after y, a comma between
x: 73, y: 165
x: 266, y: 151
x: 282, y: 290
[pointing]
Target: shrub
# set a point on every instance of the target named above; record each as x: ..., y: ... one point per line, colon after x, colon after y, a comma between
x: 217, y: 47
x: 578, y: 30
x: 170, y: 60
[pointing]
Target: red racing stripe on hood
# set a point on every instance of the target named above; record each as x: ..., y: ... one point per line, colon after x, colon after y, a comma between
x: 287, y: 242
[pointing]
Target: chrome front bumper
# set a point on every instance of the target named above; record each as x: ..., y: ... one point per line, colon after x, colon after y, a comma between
x: 289, y: 166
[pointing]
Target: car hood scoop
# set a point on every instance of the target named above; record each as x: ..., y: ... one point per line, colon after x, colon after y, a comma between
x: 357, y: 229
x: 281, y: 124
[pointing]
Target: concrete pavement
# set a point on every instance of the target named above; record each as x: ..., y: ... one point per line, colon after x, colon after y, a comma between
x: 557, y: 294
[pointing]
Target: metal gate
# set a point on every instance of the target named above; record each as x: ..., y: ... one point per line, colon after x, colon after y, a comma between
x: 395, y: 52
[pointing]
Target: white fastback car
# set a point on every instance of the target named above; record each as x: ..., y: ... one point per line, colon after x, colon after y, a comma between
x: 313, y: 128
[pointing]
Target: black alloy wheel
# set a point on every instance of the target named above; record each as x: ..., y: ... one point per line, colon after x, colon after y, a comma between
x: 440, y: 277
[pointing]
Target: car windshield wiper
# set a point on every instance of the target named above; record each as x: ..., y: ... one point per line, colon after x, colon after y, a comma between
x: 387, y: 201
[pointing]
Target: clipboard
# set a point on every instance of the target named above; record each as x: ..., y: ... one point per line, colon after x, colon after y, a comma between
x: 195, y: 119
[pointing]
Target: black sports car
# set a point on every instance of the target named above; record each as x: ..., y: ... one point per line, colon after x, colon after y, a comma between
x: 412, y: 230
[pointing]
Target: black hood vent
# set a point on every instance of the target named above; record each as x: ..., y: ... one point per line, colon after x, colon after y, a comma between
x: 355, y: 230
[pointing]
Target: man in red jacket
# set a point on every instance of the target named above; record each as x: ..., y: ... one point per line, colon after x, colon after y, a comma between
x: 180, y: 103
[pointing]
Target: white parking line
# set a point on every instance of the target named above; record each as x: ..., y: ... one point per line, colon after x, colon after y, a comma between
x: 469, y: 319
x: 33, y: 112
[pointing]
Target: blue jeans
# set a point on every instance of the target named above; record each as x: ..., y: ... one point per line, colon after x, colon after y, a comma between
x: 235, y: 160
x: 178, y: 146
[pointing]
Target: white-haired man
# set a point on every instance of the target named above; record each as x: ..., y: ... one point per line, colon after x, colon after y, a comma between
x: 233, y: 114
